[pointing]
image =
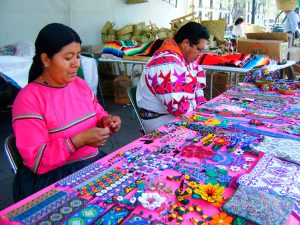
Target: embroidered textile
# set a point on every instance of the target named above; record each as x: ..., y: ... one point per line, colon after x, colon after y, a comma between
x: 279, y: 147
x: 259, y: 207
x: 275, y: 176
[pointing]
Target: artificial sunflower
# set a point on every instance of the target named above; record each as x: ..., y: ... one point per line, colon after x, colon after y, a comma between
x: 211, y: 193
x: 221, y: 219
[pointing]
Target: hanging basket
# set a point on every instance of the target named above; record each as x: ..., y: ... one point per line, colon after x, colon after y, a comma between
x: 286, y: 4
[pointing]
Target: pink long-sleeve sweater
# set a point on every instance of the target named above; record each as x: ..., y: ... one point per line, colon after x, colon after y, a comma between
x: 45, y: 118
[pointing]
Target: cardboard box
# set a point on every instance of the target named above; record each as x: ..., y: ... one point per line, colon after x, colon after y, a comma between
x: 280, y: 36
x: 294, y: 54
x: 272, y: 48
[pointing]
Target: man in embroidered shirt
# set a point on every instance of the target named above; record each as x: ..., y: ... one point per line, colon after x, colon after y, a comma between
x: 172, y: 83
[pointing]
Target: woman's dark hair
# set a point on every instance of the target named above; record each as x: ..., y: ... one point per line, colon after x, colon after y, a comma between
x: 50, y: 40
x: 193, y: 32
x: 239, y: 21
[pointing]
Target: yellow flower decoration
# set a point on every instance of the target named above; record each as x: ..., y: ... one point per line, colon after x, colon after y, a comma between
x: 180, y: 198
x: 187, y: 177
x: 221, y: 219
x: 192, y: 184
x: 189, y: 191
x: 211, y: 193
x: 204, y: 216
x: 212, y: 121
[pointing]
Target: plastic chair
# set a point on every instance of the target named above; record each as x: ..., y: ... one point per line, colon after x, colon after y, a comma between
x: 132, y: 97
x: 13, y: 155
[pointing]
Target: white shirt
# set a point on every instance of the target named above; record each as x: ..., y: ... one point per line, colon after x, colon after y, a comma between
x: 238, y: 30
x: 291, y: 22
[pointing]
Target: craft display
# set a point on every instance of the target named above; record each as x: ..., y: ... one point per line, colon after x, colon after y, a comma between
x: 211, y: 166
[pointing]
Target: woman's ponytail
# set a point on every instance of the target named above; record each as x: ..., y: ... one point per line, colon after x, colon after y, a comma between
x: 36, y: 68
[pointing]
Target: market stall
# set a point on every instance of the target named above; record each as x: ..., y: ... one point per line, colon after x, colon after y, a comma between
x: 235, y: 159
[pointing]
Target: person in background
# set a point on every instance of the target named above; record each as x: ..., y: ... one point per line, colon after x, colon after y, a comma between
x: 57, y: 120
x: 172, y: 83
x: 238, y: 29
x: 290, y: 22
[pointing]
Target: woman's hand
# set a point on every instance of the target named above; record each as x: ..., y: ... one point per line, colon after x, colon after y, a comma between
x: 94, y: 137
x: 112, y: 122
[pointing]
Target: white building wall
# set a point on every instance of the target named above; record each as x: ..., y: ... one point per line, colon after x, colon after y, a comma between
x: 22, y: 19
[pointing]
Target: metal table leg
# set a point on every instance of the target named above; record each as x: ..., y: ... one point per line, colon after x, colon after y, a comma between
x: 211, y: 84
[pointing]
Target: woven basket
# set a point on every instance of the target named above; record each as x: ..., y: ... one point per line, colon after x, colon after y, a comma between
x: 125, y: 37
x: 106, y: 38
x: 108, y: 26
x: 286, y: 4
x: 125, y: 30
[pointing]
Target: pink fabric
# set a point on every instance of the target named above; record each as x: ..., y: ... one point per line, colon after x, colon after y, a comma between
x: 169, y: 84
x: 45, y: 118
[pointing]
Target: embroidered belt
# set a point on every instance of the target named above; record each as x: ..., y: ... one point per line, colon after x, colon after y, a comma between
x: 148, y: 115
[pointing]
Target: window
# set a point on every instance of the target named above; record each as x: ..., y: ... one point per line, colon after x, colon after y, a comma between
x: 200, y: 15
x: 172, y: 2
x: 200, y: 3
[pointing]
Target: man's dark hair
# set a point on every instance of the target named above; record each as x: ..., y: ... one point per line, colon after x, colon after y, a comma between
x: 193, y: 32
x: 239, y: 21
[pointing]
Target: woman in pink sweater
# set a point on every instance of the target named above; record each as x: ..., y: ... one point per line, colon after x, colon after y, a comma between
x: 57, y: 120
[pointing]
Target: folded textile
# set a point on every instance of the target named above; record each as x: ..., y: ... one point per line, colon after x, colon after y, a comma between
x: 259, y: 207
x: 114, y: 48
x: 246, y: 61
x: 225, y: 60
x: 130, y: 48
x: 257, y: 62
